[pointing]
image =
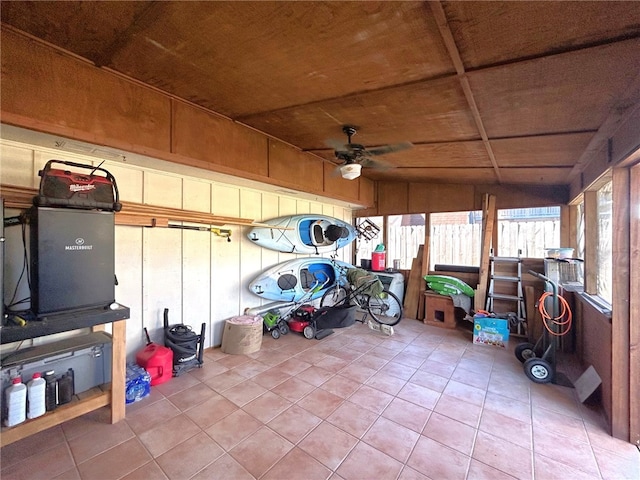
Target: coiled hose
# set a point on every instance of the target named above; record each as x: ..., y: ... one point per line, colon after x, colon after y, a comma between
x: 563, y: 325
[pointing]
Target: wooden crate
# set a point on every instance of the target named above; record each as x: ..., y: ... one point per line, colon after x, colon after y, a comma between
x: 439, y: 310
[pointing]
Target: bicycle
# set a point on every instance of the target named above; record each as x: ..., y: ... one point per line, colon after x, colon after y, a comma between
x: 383, y: 306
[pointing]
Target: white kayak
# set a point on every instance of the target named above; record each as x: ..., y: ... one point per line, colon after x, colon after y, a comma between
x: 298, y: 279
x: 307, y: 233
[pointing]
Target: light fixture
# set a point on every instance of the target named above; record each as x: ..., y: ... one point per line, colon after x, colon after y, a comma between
x: 350, y: 171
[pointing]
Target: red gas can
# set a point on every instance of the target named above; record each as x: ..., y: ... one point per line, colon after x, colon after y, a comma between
x: 378, y: 261
x: 158, y: 361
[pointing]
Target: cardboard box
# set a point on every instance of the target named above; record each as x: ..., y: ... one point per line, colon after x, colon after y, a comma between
x: 490, y: 331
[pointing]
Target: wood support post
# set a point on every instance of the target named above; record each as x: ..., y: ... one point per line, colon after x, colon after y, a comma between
x: 488, y: 221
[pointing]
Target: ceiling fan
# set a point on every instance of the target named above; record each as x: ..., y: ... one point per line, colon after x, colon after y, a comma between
x: 355, y: 156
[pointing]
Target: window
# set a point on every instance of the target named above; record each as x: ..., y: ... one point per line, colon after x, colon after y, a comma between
x: 604, y: 276
x: 526, y: 232
x: 455, y: 238
x: 405, y: 234
x: 369, y: 238
x: 580, y: 230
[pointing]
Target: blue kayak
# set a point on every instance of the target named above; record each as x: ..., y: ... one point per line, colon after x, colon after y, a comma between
x: 298, y: 279
x: 307, y: 233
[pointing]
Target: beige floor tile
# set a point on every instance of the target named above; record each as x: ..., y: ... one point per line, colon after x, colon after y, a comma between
x: 224, y: 468
x: 144, y: 419
x: 503, y: 455
x: 232, y: 429
x: 297, y: 465
x: 267, y: 406
x: 321, y: 403
x: 271, y: 377
x: 352, y: 418
x: 293, y: 389
x: 507, y: 428
x: 168, y: 434
x: 450, y: 432
x: 98, y: 440
x: 116, y: 462
x: 148, y: 471
x: 422, y: 396
x: 480, y: 471
x: 259, y: 452
x: 192, y: 396
x: 328, y: 444
x: 436, y: 460
x: 211, y: 411
x: 244, y: 392
x: 46, y: 464
x: 295, y: 423
x: 365, y: 461
x: 407, y: 414
x: 341, y: 386
x: 371, y: 399
x: 189, y: 457
x: 391, y: 438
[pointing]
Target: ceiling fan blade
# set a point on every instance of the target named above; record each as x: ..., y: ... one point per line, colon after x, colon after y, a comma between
x: 389, y: 148
x: 376, y: 164
x: 336, y: 144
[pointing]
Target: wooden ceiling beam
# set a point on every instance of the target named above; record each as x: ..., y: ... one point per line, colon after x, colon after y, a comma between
x: 450, y: 43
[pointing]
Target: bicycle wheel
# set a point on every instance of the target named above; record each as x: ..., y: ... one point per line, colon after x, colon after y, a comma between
x: 385, y: 308
x: 334, y: 296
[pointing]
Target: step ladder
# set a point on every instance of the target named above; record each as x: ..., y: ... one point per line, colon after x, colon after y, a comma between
x: 517, y: 326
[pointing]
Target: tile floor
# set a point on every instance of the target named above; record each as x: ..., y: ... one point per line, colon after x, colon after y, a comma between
x: 423, y: 403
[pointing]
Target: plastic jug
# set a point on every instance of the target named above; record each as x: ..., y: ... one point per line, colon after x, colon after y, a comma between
x: 158, y: 361
x: 50, y: 391
x: 35, y: 396
x: 16, y: 400
x: 378, y: 259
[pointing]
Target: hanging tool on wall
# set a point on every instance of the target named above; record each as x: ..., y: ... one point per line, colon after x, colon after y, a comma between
x: 221, y: 232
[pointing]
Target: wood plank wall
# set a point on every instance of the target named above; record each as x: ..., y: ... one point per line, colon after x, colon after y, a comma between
x: 62, y: 95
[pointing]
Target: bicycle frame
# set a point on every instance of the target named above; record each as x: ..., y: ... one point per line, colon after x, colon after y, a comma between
x: 377, y: 306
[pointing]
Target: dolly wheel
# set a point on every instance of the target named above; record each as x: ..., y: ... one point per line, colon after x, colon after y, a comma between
x: 284, y: 328
x: 538, y: 370
x: 275, y: 333
x: 309, y: 332
x: 525, y: 351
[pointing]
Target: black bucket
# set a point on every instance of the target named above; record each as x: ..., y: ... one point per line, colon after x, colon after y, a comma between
x: 187, y: 346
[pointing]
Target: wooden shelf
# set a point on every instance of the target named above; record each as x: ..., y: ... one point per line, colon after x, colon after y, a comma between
x: 91, y: 400
x: 109, y: 394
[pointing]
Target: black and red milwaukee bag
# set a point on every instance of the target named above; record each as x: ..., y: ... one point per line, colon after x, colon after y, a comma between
x: 94, y: 190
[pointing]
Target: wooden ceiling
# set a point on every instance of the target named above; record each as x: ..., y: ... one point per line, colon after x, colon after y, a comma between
x: 488, y: 92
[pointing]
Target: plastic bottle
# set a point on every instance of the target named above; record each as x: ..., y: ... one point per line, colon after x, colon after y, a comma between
x: 51, y: 391
x: 35, y: 396
x: 65, y: 387
x: 16, y: 399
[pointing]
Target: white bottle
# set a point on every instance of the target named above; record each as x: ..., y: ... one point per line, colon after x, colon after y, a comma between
x: 16, y: 399
x: 35, y: 396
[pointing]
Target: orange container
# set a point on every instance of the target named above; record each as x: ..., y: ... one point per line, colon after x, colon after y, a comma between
x: 158, y: 361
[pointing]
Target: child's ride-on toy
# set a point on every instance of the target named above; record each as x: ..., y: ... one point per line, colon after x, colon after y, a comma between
x: 274, y: 323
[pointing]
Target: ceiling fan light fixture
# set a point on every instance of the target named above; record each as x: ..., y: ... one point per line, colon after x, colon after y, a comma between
x: 350, y: 171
